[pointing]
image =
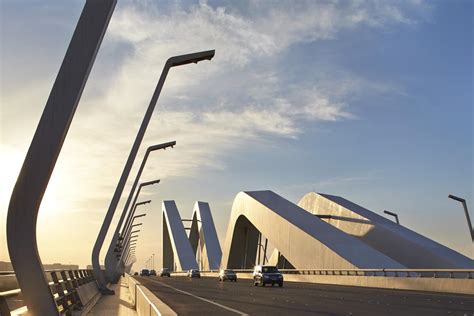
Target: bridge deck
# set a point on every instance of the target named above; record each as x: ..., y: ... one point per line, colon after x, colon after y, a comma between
x: 119, y: 304
x: 208, y: 296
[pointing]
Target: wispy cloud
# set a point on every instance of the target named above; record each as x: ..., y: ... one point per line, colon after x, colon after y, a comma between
x: 211, y: 109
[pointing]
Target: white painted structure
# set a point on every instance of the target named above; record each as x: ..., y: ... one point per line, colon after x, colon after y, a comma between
x: 177, y: 252
x: 203, y: 238
x: 304, y: 239
x: 396, y: 241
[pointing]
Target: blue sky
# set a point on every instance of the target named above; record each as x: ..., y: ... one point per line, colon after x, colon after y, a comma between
x: 369, y: 100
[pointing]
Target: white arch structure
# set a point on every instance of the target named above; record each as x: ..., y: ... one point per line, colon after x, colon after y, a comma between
x: 323, y: 231
x: 177, y: 252
x: 203, y: 238
x: 396, y: 241
x: 304, y: 239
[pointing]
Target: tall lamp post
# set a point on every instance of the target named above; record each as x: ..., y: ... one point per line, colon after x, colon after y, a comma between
x: 44, y: 151
x: 464, y: 205
x: 128, y: 237
x: 171, y: 62
x: 129, y: 233
x: 110, y: 263
x: 127, y: 226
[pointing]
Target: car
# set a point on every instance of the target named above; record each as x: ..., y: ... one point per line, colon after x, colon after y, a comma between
x: 165, y: 272
x: 152, y: 273
x: 263, y: 275
x: 136, y: 273
x: 145, y: 272
x: 193, y: 273
x: 227, y: 274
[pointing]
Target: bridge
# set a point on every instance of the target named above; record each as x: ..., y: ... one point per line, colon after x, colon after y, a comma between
x: 336, y: 256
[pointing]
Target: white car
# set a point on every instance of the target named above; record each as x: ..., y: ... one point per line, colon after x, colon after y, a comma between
x: 227, y: 274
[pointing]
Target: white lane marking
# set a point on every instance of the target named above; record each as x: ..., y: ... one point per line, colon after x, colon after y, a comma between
x: 203, y: 299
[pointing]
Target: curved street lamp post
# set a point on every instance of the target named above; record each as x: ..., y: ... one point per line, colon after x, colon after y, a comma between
x: 110, y: 263
x: 171, y: 62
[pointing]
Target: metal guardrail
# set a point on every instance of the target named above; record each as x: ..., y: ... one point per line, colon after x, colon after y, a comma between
x: 412, y: 273
x: 63, y: 287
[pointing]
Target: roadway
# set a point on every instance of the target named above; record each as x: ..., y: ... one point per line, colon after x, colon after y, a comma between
x: 207, y: 296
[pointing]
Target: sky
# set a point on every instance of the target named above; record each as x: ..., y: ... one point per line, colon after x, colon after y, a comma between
x: 369, y: 100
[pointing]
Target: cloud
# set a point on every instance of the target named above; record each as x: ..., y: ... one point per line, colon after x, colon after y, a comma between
x: 242, y: 97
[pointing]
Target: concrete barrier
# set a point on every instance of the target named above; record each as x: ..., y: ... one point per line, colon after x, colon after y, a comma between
x: 146, y: 303
x: 440, y: 285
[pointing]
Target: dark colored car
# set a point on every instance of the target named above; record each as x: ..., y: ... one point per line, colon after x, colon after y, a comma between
x: 227, y: 274
x: 263, y: 275
x: 136, y: 273
x: 152, y: 273
x: 145, y: 272
x: 165, y: 272
x: 193, y: 273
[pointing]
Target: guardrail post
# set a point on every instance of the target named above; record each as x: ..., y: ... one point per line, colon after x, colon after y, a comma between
x: 44, y: 151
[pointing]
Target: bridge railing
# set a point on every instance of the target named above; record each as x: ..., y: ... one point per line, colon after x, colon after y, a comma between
x: 71, y: 289
x: 419, y: 273
x: 403, y: 273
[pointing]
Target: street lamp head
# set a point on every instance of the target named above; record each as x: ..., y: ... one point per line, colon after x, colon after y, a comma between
x: 143, y: 203
x: 389, y: 213
x: 149, y: 183
x: 191, y: 58
x: 162, y: 146
x: 456, y: 198
x: 137, y: 216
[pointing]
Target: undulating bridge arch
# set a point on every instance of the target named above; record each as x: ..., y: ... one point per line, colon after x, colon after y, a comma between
x: 304, y: 239
x: 203, y: 237
x: 177, y: 252
x: 396, y: 241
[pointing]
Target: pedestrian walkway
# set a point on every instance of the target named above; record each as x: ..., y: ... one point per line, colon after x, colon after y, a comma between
x: 120, y: 304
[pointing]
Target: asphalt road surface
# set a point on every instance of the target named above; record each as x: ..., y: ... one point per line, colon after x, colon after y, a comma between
x: 207, y: 296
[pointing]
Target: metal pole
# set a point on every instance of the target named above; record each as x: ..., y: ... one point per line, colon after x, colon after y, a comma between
x: 110, y: 262
x: 127, y: 243
x: 132, y: 211
x: 44, y: 151
x: 394, y: 215
x: 128, y: 227
x: 265, y: 251
x: 466, y: 212
x: 173, y: 61
x: 259, y: 246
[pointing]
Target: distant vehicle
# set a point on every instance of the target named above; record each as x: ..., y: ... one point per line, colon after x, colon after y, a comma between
x: 227, y: 274
x: 263, y: 275
x: 152, y: 273
x: 145, y: 272
x: 165, y: 272
x: 193, y: 273
x: 136, y: 273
